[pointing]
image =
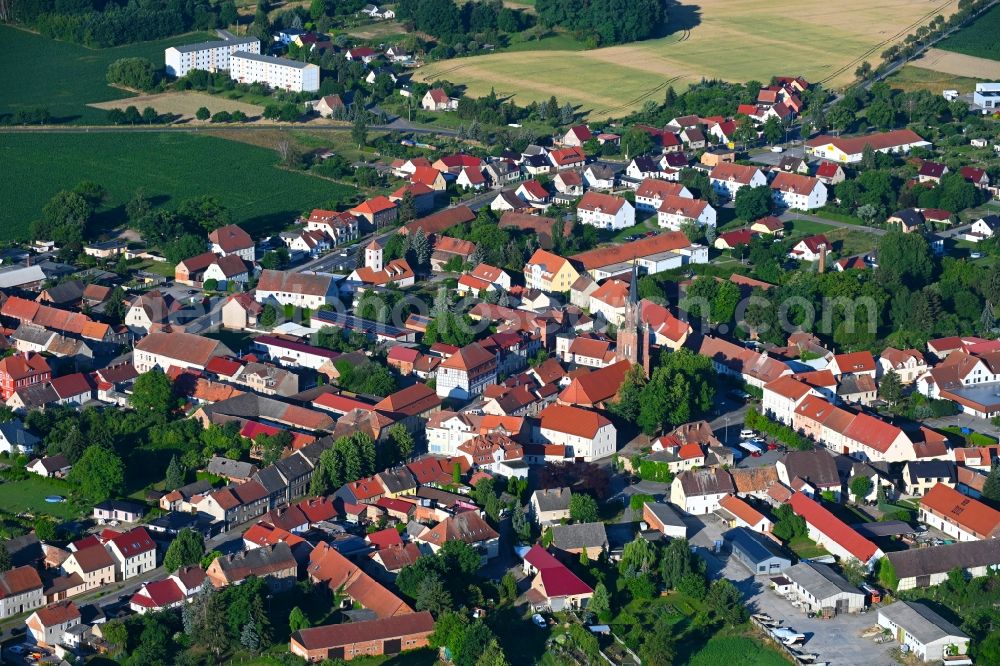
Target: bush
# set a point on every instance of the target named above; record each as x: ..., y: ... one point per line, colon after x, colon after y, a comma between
x: 784, y: 434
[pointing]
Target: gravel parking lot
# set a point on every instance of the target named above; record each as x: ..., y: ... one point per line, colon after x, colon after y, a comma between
x: 837, y: 641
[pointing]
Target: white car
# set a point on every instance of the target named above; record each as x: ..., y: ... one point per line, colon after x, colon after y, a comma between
x: 747, y: 434
x: 777, y: 149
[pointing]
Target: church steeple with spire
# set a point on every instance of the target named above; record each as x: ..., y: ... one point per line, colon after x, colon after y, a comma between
x: 633, y: 336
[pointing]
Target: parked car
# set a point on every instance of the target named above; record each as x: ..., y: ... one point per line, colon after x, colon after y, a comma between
x: 746, y: 433
x: 539, y: 621
x: 777, y: 149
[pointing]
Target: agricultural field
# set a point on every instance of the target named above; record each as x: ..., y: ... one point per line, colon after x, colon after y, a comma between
x: 737, y: 40
x: 183, y: 104
x: 169, y: 166
x: 912, y: 77
x: 978, y: 39
x: 65, y: 78
x: 742, y: 650
x: 959, y: 64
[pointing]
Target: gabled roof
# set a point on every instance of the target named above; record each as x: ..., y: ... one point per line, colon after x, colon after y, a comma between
x: 557, y: 579
x: 741, y: 510
x: 733, y: 172
x: 834, y: 528
x: 651, y: 188
x: 231, y: 238
x: 187, y: 347
x: 468, y: 526
x: 366, y: 631
x: 440, y: 221
x: 616, y: 254
x: 827, y: 169
x: 597, y: 386
x: 861, y: 361
x: 879, y: 141
x: 794, y: 183
x: 579, y: 536
x: 601, y: 203
x: 966, y: 512
x: 706, y: 482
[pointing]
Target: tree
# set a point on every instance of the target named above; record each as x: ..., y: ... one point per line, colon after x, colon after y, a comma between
x: 202, y: 113
x: 204, y: 211
x: 788, y: 525
x: 402, y: 441
x: 175, y: 474
x: 99, y: 473
x: 45, y: 529
x: 583, y: 508
x: 433, y: 596
x: 727, y: 602
x: 493, y: 655
x: 753, y: 203
x: 991, y: 487
x: 861, y: 486
x: 853, y: 571
x: 64, y: 218
x: 887, y: 574
x: 297, y: 620
x: 773, y: 130
x: 185, y: 550
x: 153, y: 394
x: 638, y: 557
x: 636, y: 141
x: 135, y: 73
x: 5, y: 561
x: 658, y: 647
x: 249, y: 638
x: 149, y: 115
x: 508, y: 588
x: 600, y: 603
x: 359, y: 130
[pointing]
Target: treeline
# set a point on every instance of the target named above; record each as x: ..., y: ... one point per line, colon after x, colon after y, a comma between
x: 605, y: 21
x: 100, y: 25
x: 450, y: 22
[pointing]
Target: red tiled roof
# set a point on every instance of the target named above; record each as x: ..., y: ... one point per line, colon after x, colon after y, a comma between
x: 968, y: 513
x: 834, y: 528
x: 557, y: 579
x: 386, y: 538
x: 598, y: 201
x: 855, y: 145
x: 664, y: 242
x: 572, y: 420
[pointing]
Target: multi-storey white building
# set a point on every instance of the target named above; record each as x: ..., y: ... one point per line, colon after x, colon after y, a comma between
x: 274, y: 72
x: 584, y: 433
x: 605, y: 211
x: 208, y: 56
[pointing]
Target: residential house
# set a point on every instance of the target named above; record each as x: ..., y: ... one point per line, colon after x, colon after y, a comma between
x: 550, y: 505
x: 908, y: 364
x: 811, y: 248
x: 569, y: 183
x: 134, y: 552
x: 756, y: 369
x: 727, y: 179
x: 830, y: 173
x: 576, y: 136
x: 959, y: 516
x: 48, y: 626
x: 20, y: 591
x: 436, y: 99
x: 567, y: 158
x: 738, y: 513
x: 93, y: 564
x: 275, y: 564
x: 379, y: 211
x: 676, y: 212
x: 579, y: 537
x: 22, y: 370
x: 783, y: 395
x: 792, y: 190
x: 121, y: 510
x: 931, y: 172
x: 584, y: 433
x: 599, y: 177
x: 468, y: 527
x: 180, y: 350
x: 466, y: 372
x: 698, y: 492
x: 15, y: 439
x: 554, y: 587
x: 547, y: 272
x: 231, y: 239
x: 605, y: 211
x: 919, y: 476
x: 302, y: 290
x: 52, y: 467
x: 652, y: 192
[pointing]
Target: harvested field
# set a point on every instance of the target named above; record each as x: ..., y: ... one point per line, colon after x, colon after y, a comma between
x: 737, y: 40
x: 183, y: 104
x: 959, y: 64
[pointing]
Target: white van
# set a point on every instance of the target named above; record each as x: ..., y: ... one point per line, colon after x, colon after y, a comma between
x: 747, y: 434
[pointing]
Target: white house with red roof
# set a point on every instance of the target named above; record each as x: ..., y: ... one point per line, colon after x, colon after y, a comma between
x: 668, y: 330
x: 554, y: 587
x: 576, y: 136
x: 652, y: 191
x: 168, y: 593
x: 793, y: 190
x: 830, y: 532
x: 231, y: 239
x: 465, y: 373
x: 584, y: 433
x: 533, y: 193
x: 854, y: 363
x: 738, y: 513
x: 134, y: 551
x: 470, y: 178
x: 830, y: 173
x: 908, y: 364
x: 959, y: 516
x: 811, y: 248
x: 783, y: 395
x: 605, y: 211
x: 727, y: 179
x: 340, y: 227
x: 676, y: 211
x: 567, y: 158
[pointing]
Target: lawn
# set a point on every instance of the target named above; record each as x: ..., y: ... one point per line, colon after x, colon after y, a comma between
x: 169, y: 166
x: 911, y: 78
x: 978, y: 39
x: 808, y: 227
x: 821, y: 41
x: 29, y: 496
x: 805, y: 547
x: 742, y: 650
x: 63, y: 77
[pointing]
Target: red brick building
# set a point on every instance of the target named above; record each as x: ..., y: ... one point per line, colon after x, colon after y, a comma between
x: 385, y: 636
x: 22, y: 370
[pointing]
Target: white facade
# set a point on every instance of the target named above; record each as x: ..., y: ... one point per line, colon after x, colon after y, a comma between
x: 129, y: 567
x: 620, y: 219
x: 816, y: 198
x: 280, y: 73
x: 675, y: 218
x: 696, y: 505
x: 729, y: 187
x: 601, y: 445
x: 207, y: 56
x: 446, y: 439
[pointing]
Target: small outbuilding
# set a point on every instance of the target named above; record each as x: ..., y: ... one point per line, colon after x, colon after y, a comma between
x: 756, y: 552
x: 928, y: 635
x: 821, y: 588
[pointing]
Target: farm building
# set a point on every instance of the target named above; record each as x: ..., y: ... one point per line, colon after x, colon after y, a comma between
x: 756, y: 552
x: 927, y: 634
x: 820, y: 587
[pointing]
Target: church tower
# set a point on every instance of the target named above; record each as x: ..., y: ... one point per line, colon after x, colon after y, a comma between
x: 373, y: 256
x: 633, y: 336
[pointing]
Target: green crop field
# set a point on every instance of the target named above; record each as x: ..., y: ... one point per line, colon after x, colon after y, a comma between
x: 169, y: 166
x: 979, y: 39
x: 63, y: 77
x: 736, y: 40
x: 741, y: 650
